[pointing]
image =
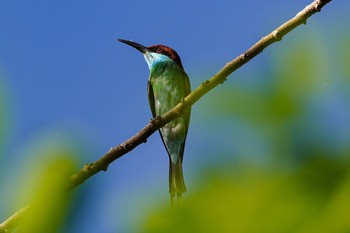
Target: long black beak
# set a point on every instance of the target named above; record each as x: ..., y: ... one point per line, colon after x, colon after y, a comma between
x: 137, y: 46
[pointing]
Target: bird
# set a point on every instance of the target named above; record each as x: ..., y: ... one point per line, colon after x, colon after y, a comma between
x: 168, y: 84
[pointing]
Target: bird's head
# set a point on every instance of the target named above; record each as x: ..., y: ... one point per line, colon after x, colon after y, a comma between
x: 155, y: 54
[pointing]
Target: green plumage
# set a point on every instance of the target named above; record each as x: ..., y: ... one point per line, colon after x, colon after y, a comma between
x: 167, y: 85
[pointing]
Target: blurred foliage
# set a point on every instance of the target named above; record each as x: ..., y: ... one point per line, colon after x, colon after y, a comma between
x: 49, y: 199
x: 253, y: 199
x: 300, y: 106
x: 41, y: 180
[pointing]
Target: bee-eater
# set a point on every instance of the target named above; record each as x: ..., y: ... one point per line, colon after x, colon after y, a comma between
x: 168, y: 84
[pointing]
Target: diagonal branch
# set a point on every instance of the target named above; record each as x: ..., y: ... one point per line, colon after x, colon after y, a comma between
x: 116, y: 152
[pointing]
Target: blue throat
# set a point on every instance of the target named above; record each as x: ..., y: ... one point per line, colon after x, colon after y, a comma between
x: 154, y: 59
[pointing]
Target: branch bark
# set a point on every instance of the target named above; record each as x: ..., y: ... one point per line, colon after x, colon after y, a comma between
x: 141, y: 137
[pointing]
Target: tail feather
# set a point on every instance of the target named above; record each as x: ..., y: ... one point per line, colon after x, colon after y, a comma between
x: 176, y: 179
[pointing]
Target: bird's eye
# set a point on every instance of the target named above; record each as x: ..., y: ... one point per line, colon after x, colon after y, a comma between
x: 159, y: 50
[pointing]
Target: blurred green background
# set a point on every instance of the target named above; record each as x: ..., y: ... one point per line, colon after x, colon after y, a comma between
x: 267, y: 151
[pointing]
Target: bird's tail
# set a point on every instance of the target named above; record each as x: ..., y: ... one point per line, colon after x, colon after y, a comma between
x: 176, y: 180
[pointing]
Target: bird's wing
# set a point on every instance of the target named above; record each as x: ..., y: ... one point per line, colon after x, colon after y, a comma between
x: 153, y: 110
x: 151, y: 98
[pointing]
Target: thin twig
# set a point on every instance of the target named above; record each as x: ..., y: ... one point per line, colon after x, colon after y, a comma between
x: 116, y: 152
x: 9, y: 224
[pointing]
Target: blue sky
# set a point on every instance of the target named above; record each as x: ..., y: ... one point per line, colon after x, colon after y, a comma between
x: 64, y: 73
